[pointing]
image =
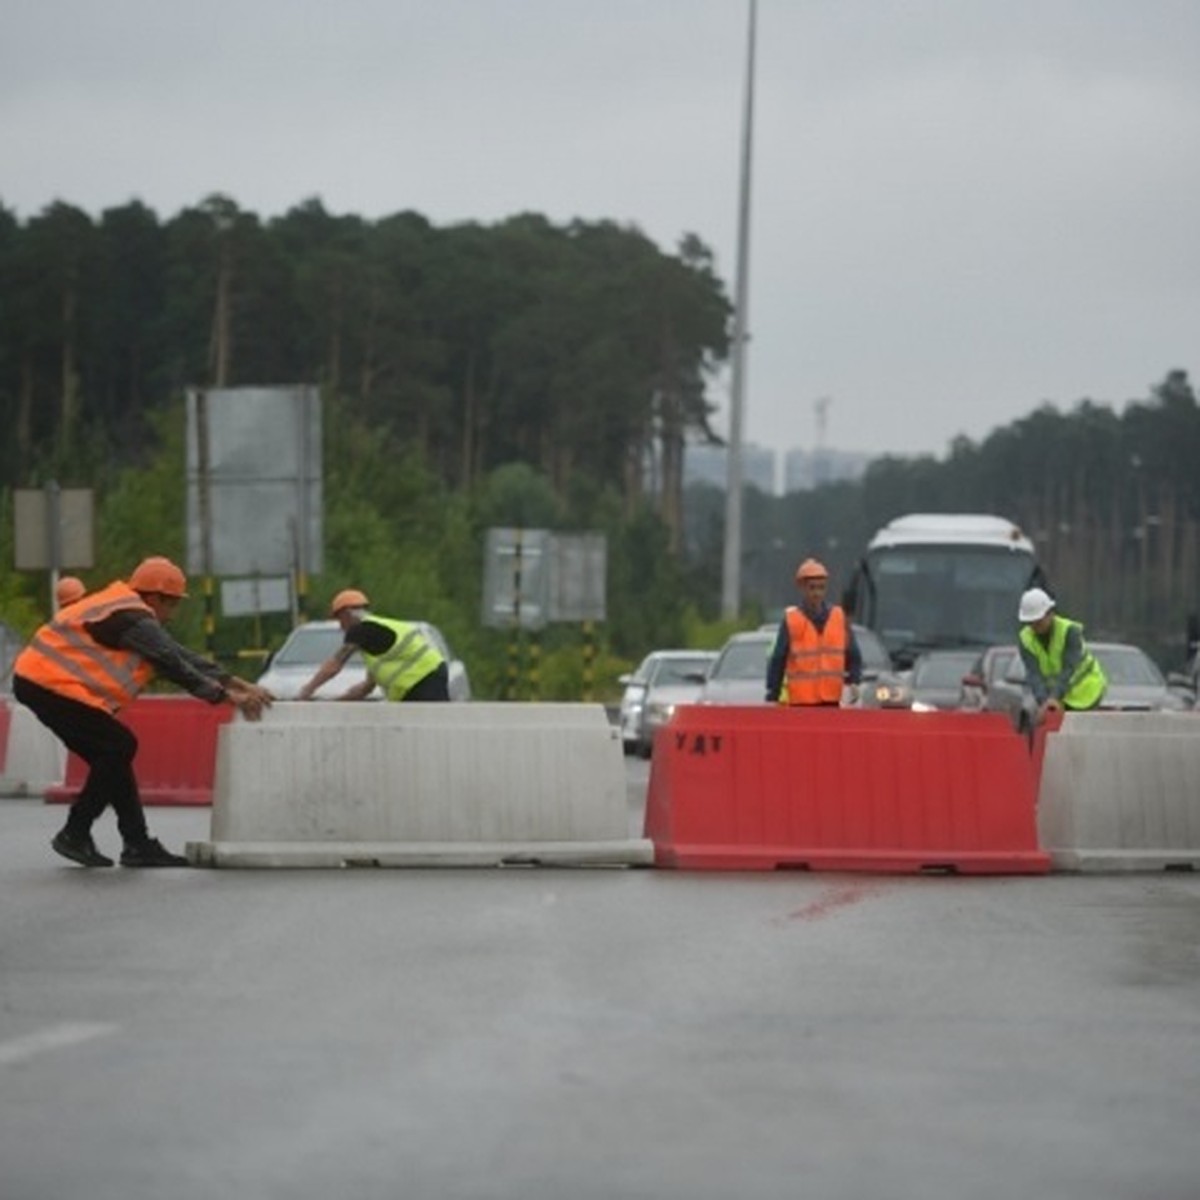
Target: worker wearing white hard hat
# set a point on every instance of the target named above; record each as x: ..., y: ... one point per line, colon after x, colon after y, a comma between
x: 1060, y: 671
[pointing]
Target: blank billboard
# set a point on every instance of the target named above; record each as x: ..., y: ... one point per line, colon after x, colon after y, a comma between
x: 254, y: 484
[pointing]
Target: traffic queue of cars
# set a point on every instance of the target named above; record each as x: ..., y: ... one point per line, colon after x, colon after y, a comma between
x: 973, y: 680
x: 995, y: 682
x: 968, y: 679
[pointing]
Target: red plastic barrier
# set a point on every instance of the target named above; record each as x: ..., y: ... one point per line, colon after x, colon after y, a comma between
x: 5, y: 726
x: 760, y: 788
x: 177, y: 751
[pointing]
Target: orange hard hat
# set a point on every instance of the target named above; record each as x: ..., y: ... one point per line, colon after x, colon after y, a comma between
x: 161, y: 575
x: 349, y: 598
x: 811, y: 569
x: 68, y: 590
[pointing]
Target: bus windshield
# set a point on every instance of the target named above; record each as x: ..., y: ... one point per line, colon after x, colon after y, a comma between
x: 924, y: 597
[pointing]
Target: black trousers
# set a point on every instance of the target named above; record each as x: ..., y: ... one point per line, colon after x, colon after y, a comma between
x: 435, y: 686
x: 105, y: 745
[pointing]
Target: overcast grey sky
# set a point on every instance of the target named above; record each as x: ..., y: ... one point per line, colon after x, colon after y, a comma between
x: 961, y: 209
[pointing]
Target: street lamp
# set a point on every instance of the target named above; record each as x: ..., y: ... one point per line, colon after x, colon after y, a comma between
x: 731, y: 566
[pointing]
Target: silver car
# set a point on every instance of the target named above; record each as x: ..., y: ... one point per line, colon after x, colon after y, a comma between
x: 882, y: 686
x: 1135, y: 684
x: 311, y: 644
x: 996, y: 683
x: 739, y: 674
x: 664, y: 679
x: 937, y: 679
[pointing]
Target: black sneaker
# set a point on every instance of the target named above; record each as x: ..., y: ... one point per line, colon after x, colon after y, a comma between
x: 80, y: 848
x: 151, y: 853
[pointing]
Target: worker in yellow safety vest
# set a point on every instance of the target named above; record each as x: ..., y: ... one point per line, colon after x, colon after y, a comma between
x: 815, y: 653
x: 1060, y: 670
x: 400, y: 659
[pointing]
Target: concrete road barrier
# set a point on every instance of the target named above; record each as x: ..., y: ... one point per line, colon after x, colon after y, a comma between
x: 32, y: 759
x: 1121, y: 792
x: 328, y: 784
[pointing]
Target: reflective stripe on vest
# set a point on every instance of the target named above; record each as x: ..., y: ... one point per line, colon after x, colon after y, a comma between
x: 816, y: 662
x: 1087, y: 683
x: 64, y: 658
x: 411, y: 657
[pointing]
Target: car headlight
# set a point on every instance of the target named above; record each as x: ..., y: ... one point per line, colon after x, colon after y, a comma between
x: 660, y: 714
x: 921, y: 706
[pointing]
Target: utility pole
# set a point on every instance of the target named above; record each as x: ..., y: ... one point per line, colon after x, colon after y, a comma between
x: 731, y: 575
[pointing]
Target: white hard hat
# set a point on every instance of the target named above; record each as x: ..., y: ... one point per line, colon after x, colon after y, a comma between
x: 1035, y: 604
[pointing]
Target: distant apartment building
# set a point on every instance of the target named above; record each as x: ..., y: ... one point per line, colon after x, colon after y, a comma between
x: 802, y: 470
x: 807, y: 469
x: 709, y: 464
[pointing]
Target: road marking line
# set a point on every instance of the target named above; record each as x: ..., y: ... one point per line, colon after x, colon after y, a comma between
x: 56, y: 1037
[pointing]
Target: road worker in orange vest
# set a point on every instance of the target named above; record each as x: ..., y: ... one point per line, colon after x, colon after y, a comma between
x: 815, y: 653
x: 84, y: 666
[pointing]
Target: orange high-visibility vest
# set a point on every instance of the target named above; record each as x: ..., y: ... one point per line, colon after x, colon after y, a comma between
x: 816, y: 662
x: 64, y: 658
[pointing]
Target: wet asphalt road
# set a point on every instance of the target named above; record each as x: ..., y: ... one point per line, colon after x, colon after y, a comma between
x: 554, y: 1034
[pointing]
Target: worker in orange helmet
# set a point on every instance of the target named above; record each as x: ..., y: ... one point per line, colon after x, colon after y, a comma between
x: 815, y: 654
x: 399, y: 658
x: 68, y: 589
x: 84, y: 666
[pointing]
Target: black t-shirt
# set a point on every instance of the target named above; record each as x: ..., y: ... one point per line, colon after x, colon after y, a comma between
x: 370, y: 636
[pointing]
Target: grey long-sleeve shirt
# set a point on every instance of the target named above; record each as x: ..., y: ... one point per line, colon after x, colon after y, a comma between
x: 142, y: 634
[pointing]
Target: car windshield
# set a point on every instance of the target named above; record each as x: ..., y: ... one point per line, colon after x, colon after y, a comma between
x: 743, y: 660
x: 644, y: 671
x: 1129, y: 666
x: 676, y: 670
x: 941, y: 670
x: 309, y: 646
x: 928, y: 596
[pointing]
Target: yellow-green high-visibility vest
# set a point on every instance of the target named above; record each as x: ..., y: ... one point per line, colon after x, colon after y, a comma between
x: 1087, y: 684
x: 410, y: 659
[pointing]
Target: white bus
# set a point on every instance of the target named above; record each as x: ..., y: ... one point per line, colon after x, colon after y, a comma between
x: 933, y: 580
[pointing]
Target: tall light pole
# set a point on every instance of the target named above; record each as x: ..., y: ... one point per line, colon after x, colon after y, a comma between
x: 731, y: 575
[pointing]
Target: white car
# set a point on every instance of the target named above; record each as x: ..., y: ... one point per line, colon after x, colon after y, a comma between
x: 310, y: 644
x: 664, y: 679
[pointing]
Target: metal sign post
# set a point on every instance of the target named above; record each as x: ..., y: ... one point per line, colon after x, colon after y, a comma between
x: 532, y: 576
